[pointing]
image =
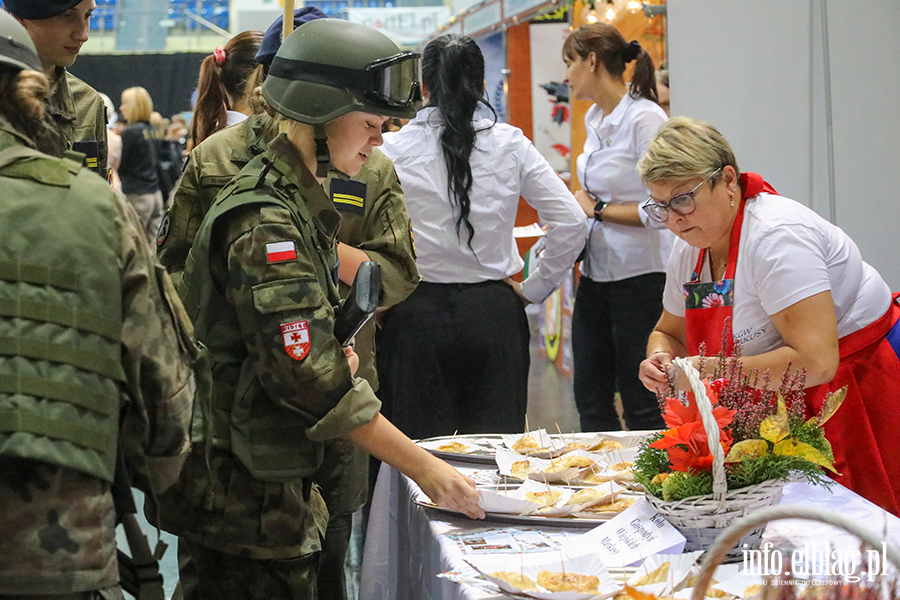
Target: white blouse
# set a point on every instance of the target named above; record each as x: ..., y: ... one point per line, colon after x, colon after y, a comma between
x: 607, y: 169
x: 505, y: 165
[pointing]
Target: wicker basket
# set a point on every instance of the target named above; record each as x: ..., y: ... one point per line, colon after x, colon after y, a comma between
x: 720, y: 549
x: 702, y: 518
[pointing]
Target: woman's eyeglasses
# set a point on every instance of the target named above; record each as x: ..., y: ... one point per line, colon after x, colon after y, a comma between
x: 683, y: 204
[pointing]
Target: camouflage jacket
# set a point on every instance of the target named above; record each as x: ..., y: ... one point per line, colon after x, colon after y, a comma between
x: 79, y: 115
x: 260, y: 286
x: 57, y: 525
x: 376, y: 223
x: 373, y: 215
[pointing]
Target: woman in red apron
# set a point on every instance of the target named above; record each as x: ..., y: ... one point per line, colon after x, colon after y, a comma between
x: 792, y: 285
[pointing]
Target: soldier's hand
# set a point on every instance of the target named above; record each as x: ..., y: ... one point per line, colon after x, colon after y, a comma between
x: 443, y: 484
x: 352, y: 358
x: 448, y: 488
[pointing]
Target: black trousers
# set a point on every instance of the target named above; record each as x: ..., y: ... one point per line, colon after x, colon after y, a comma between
x: 454, y: 357
x: 610, y: 326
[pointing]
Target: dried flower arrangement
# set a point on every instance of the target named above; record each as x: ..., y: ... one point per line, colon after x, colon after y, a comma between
x: 763, y: 434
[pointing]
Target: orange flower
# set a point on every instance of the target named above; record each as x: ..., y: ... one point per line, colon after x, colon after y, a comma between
x: 686, y: 460
x: 688, y: 448
x: 678, y: 414
x: 686, y: 441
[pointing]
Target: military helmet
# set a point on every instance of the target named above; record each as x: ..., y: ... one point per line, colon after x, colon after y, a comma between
x: 16, y: 48
x: 331, y: 67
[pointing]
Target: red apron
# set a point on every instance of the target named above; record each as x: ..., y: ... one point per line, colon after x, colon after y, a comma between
x: 863, y: 432
x: 708, y: 306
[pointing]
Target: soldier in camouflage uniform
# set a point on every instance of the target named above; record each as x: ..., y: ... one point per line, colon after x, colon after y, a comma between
x: 373, y: 219
x: 89, y: 335
x: 261, y: 286
x: 58, y: 29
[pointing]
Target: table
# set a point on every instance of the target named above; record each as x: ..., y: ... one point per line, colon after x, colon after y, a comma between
x: 405, y: 546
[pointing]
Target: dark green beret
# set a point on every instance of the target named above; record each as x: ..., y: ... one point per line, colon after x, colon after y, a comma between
x: 39, y: 9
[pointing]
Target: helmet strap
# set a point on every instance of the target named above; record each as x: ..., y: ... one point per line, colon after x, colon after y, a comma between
x: 323, y: 156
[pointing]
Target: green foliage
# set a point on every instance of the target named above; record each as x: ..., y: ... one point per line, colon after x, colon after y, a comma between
x: 680, y: 485
x: 649, y: 463
x: 751, y: 471
x: 812, y: 434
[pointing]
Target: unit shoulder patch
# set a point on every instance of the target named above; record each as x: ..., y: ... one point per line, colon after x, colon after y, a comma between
x: 296, y: 339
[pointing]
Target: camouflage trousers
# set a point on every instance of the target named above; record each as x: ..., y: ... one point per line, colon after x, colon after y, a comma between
x: 209, y: 574
x: 330, y: 581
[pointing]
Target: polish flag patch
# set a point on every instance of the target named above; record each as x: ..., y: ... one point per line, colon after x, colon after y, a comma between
x: 277, y: 252
x: 296, y: 339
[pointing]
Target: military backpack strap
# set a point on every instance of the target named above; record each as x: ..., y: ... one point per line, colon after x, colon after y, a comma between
x: 74, y: 161
x: 16, y: 153
x: 138, y: 574
x: 282, y: 189
x: 54, y: 171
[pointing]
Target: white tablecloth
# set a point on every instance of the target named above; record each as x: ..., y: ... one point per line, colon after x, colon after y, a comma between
x: 405, y: 549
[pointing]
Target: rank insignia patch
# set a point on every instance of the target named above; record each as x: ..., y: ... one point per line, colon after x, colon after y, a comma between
x: 296, y: 339
x: 91, y: 151
x: 348, y: 196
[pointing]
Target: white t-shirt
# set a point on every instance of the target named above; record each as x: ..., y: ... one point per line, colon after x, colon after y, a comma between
x: 505, y: 165
x: 787, y: 253
x: 607, y: 169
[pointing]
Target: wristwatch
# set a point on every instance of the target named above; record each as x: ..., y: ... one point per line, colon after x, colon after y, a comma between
x: 599, y: 208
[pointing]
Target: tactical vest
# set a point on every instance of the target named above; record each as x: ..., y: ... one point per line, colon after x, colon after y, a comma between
x: 268, y: 440
x: 60, y: 314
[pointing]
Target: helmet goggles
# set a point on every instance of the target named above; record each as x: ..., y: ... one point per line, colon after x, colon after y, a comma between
x: 397, y: 79
x: 393, y: 81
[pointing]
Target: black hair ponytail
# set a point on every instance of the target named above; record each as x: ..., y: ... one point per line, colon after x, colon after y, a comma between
x: 643, y: 80
x: 453, y: 74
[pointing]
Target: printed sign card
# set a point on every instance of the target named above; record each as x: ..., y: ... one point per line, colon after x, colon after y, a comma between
x: 630, y: 537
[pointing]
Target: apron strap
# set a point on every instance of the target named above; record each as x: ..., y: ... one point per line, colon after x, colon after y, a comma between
x: 752, y: 184
x: 878, y: 330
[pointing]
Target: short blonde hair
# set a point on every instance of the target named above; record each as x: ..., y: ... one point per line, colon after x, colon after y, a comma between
x: 685, y: 148
x: 141, y: 105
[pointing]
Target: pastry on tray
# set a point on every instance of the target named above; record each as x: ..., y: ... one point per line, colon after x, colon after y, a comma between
x: 556, y: 581
x: 454, y: 447
x: 619, y: 505
x: 516, y: 580
x: 657, y: 575
x: 520, y: 469
x: 527, y: 443
x: 569, y: 462
x: 548, y: 498
x: 586, y: 495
